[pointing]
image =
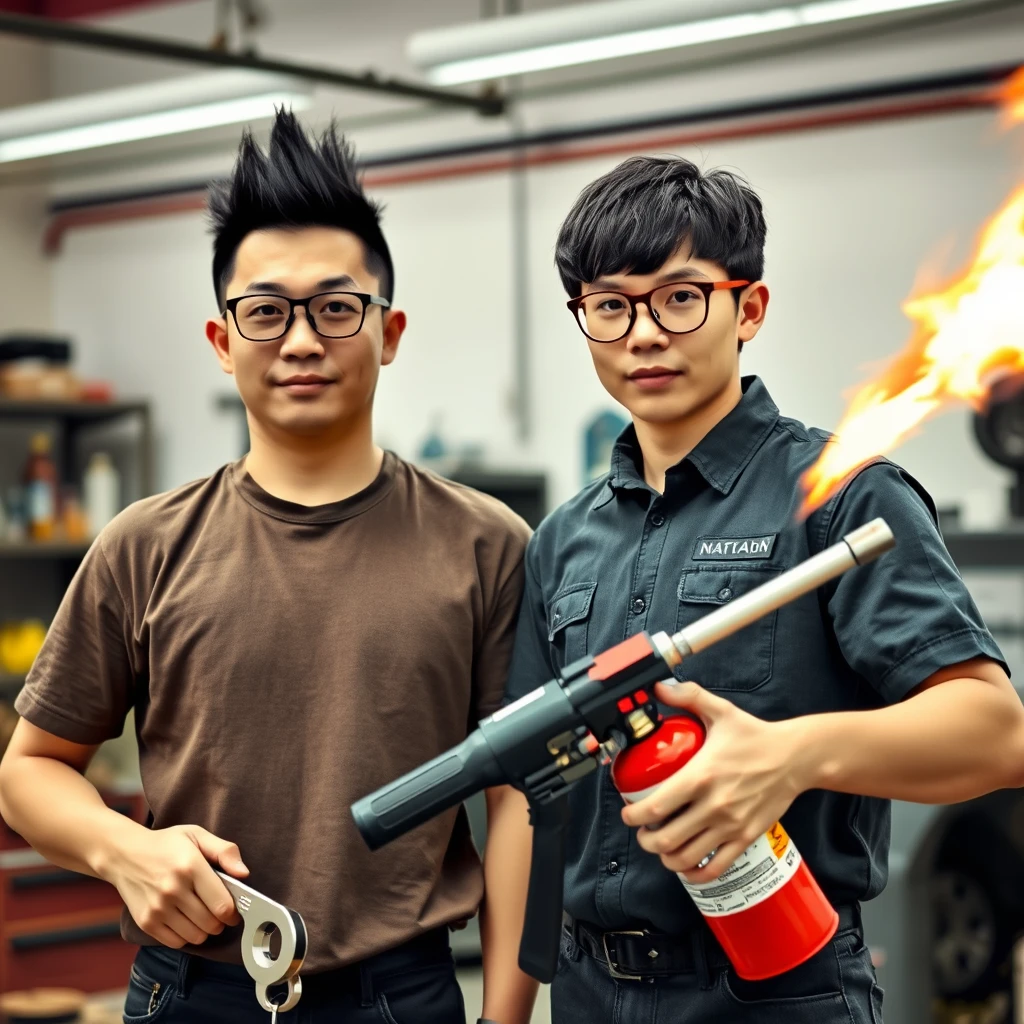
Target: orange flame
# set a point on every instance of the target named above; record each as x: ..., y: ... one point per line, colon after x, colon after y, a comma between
x: 967, y: 336
x: 1011, y: 95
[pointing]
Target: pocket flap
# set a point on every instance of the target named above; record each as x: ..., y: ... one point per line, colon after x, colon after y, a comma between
x: 569, y: 605
x: 719, y: 586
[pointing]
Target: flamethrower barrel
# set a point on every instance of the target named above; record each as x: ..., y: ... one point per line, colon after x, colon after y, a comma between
x: 858, y: 548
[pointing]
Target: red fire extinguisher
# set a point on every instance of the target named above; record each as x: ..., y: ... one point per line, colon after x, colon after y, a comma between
x: 766, y: 910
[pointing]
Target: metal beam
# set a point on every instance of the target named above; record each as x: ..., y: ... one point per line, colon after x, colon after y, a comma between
x: 77, y: 34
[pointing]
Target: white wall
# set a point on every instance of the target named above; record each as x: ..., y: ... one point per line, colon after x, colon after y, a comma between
x: 854, y: 213
x: 25, y: 277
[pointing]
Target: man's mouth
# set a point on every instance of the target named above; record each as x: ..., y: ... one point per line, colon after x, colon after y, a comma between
x: 305, y: 384
x: 650, y: 378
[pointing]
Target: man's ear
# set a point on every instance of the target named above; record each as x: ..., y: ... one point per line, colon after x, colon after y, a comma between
x: 394, y: 328
x: 217, y: 335
x: 753, y: 307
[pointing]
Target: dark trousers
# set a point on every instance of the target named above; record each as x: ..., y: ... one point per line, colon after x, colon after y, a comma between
x: 836, y: 986
x: 413, y: 984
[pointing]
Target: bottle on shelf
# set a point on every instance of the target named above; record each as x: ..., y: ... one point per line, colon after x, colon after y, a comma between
x: 40, y: 479
x: 102, y: 490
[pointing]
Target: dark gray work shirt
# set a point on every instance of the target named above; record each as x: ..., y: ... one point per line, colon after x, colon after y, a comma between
x: 620, y: 558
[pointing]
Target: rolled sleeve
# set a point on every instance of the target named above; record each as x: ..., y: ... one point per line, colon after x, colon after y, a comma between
x: 531, y: 656
x: 908, y: 614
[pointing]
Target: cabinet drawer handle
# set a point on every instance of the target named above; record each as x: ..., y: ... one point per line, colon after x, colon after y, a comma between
x: 57, y: 877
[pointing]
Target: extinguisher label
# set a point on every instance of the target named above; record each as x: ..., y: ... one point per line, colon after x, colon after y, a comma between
x: 763, y: 868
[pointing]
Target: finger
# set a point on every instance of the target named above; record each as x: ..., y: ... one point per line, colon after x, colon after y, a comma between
x: 163, y: 935
x: 178, y: 923
x: 693, y: 698
x: 224, y: 854
x: 723, y: 859
x: 674, y: 835
x: 214, y: 894
x: 200, y: 914
x: 702, y: 847
x: 671, y: 797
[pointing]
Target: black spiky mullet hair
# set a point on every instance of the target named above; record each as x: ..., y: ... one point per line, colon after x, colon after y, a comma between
x: 297, y: 183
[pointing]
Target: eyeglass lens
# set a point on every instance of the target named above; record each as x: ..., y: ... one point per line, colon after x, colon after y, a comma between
x: 607, y: 316
x: 265, y: 317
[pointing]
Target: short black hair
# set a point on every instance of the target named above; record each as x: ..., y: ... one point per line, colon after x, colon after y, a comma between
x: 634, y: 217
x: 296, y: 183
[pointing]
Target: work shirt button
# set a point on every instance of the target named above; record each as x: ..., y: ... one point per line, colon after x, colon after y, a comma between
x: 724, y: 594
x: 639, y: 604
x: 657, y: 519
x: 613, y: 867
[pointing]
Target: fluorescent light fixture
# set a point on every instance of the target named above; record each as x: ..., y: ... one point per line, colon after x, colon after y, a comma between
x: 582, y: 33
x: 143, y: 112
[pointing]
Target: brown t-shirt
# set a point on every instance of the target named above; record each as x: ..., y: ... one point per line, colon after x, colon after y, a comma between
x: 293, y: 659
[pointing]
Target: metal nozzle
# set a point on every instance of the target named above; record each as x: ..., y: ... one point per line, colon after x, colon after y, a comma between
x: 870, y: 540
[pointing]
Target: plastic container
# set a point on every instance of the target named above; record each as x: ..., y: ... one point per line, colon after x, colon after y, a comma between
x: 101, y: 491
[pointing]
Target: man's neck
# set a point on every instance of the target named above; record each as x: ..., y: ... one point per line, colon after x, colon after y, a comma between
x: 313, y: 470
x: 665, y: 444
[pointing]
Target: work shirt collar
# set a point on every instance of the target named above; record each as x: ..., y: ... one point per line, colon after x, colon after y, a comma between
x: 721, y: 455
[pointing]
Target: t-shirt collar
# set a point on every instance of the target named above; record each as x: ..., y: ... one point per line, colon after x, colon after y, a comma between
x: 722, y: 454
x: 333, y: 512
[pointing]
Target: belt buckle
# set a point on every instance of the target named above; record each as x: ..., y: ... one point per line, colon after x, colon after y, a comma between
x: 613, y: 967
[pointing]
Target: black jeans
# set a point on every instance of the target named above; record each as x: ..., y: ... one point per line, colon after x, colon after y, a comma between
x: 413, y: 984
x: 836, y: 986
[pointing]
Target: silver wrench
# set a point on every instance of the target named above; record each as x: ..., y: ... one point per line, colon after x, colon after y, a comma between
x: 262, y: 917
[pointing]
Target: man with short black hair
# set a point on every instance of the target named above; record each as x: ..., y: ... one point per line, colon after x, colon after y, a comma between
x: 293, y: 631
x: 885, y: 684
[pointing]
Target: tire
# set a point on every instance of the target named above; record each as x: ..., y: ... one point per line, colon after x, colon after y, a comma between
x: 968, y: 937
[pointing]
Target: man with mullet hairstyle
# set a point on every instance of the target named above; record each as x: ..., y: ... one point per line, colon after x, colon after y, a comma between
x: 294, y: 631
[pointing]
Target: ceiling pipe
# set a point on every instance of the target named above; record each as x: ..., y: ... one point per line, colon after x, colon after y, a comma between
x: 147, y: 46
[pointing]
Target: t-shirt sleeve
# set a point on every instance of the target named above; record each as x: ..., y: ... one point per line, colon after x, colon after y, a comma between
x: 81, y: 685
x: 908, y: 614
x: 490, y: 668
x: 531, y: 656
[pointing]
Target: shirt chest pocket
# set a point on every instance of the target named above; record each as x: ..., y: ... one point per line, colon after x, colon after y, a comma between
x: 742, y: 661
x: 568, y: 618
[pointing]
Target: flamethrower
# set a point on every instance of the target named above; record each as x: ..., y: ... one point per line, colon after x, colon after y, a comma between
x: 548, y: 740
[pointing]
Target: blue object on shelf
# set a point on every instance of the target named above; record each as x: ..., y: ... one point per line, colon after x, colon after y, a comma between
x: 598, y: 440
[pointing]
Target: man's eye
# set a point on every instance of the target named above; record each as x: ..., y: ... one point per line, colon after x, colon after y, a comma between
x: 611, y: 306
x: 266, y: 310
x: 337, y: 308
x: 682, y: 296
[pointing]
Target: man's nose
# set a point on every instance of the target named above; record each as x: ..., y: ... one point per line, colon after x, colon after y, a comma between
x: 301, y: 341
x: 647, y: 332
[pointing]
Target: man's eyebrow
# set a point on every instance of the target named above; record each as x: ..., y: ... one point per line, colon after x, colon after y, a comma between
x: 679, y: 274
x: 341, y: 281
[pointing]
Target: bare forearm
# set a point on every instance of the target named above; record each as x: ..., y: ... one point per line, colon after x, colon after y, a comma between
x: 952, y: 742
x: 509, y: 994
x: 60, y: 813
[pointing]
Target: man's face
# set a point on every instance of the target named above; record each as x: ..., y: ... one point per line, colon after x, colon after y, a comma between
x: 693, y: 369
x: 304, y: 383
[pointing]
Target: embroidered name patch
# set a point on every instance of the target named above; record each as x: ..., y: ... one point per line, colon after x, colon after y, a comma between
x: 729, y: 548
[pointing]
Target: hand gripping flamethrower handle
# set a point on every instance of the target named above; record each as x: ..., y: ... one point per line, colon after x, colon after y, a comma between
x: 262, y: 917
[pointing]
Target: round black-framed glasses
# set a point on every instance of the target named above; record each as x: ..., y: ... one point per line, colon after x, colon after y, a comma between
x: 268, y: 317
x: 678, y: 307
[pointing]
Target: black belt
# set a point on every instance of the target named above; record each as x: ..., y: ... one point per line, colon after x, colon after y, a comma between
x: 637, y: 954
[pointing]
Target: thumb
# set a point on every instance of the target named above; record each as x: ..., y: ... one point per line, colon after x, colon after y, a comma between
x: 219, y: 851
x: 693, y: 698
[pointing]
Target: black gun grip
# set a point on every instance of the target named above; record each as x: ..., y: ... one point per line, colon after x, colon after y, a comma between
x: 542, y: 928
